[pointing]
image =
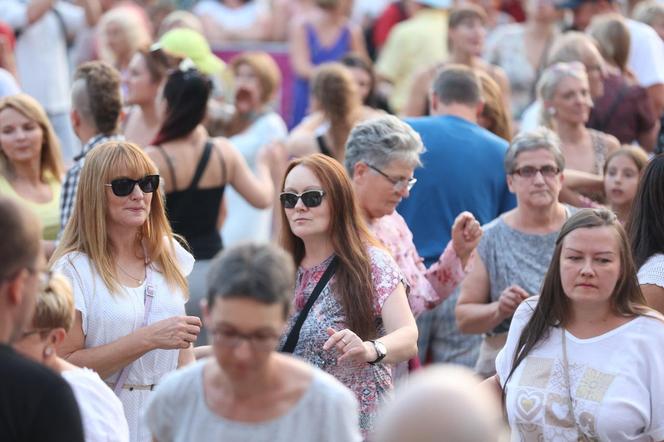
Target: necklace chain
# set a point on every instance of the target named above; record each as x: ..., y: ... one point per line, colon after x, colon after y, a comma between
x: 138, y: 280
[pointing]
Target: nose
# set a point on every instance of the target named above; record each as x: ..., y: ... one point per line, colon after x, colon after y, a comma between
x: 404, y: 192
x: 538, y: 178
x: 243, y: 350
x: 299, y: 205
x: 136, y: 192
x: 587, y: 269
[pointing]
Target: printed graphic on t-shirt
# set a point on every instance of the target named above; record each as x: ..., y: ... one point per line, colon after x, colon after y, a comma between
x: 543, y: 409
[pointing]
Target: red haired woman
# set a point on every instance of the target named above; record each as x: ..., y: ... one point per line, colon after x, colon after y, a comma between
x: 351, y: 316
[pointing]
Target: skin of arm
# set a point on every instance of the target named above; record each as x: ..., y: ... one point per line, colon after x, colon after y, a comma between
x: 186, y: 356
x: 257, y: 189
x: 104, y: 359
x: 401, y: 337
x: 654, y: 295
x: 300, y: 55
x: 416, y: 104
x: 492, y: 386
x: 37, y: 9
x: 474, y: 313
x: 92, y: 11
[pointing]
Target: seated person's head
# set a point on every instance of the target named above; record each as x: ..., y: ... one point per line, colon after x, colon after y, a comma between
x: 53, y: 317
x: 96, y: 100
x: 441, y: 404
x: 21, y: 260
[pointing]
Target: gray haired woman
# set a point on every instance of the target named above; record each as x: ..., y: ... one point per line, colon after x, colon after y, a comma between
x: 514, y: 253
x: 381, y: 156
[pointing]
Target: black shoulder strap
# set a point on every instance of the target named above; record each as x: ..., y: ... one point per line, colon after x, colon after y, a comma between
x: 294, y: 335
x: 169, y: 163
x: 322, y: 145
x: 202, y: 164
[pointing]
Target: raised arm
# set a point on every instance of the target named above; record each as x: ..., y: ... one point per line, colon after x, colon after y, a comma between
x: 257, y: 189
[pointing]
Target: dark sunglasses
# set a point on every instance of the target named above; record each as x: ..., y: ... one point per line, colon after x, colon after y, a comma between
x: 310, y: 198
x: 125, y: 186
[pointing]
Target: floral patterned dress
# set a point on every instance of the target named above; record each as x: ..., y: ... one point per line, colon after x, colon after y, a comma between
x: 370, y: 383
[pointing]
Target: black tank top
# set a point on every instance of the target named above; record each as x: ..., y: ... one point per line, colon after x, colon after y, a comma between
x: 193, y: 212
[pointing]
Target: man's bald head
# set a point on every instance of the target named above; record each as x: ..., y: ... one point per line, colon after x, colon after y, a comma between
x: 441, y: 404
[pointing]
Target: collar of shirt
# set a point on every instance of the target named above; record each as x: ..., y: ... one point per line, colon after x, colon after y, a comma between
x: 96, y: 140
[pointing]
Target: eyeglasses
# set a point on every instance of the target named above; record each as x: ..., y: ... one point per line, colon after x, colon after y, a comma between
x: 232, y: 339
x: 310, y: 198
x: 530, y: 171
x: 125, y: 186
x: 399, y: 184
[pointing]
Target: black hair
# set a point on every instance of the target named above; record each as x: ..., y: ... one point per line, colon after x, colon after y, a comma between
x: 186, y: 94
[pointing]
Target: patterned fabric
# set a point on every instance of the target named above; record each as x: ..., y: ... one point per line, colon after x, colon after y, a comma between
x: 70, y: 185
x: 652, y: 271
x: 615, y: 383
x: 370, y: 383
x: 428, y: 288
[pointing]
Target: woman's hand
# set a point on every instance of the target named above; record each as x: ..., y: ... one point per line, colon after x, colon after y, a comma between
x: 350, y: 346
x: 466, y: 234
x: 173, y: 333
x: 509, y: 301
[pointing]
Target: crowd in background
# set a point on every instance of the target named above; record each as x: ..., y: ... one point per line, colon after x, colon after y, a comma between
x: 358, y: 189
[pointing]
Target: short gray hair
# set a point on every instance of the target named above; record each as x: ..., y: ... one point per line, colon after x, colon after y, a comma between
x: 540, y: 138
x: 261, y: 272
x: 551, y: 78
x: 380, y: 141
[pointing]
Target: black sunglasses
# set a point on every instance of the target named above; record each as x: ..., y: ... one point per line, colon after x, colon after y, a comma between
x: 125, y: 186
x: 310, y: 198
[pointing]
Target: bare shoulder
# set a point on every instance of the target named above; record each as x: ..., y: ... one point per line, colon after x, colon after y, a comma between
x: 302, y: 144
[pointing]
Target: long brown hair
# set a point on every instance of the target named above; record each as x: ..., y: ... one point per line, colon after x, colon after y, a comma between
x: 494, y: 110
x: 338, y: 98
x: 553, y: 307
x: 349, y: 237
x: 87, y: 232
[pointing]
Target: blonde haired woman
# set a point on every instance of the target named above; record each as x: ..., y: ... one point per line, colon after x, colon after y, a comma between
x: 30, y: 160
x: 101, y: 411
x: 129, y: 279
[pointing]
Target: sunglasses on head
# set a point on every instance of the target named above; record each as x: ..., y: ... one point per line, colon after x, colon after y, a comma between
x: 125, y: 186
x: 310, y: 198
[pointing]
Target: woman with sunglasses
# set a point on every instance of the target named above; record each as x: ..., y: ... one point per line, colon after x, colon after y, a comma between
x: 128, y: 274
x: 196, y: 170
x: 101, y: 411
x: 516, y: 248
x: 351, y: 315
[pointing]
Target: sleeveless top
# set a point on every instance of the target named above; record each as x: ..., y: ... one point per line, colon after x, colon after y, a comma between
x: 318, y: 54
x: 323, y: 147
x: 193, y: 212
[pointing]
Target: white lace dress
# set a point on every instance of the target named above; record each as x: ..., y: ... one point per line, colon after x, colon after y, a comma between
x: 107, y: 317
x: 652, y: 271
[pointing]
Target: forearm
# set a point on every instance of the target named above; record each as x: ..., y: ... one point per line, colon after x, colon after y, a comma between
x: 92, y: 10
x: 401, y: 345
x: 112, y: 357
x: 476, y: 318
x: 578, y: 180
x: 37, y: 9
x: 448, y: 272
x: 186, y: 356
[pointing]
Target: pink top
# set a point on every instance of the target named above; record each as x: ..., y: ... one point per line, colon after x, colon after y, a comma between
x: 428, y: 288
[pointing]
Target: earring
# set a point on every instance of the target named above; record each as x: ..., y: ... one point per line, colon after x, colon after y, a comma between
x: 48, y: 351
x: 551, y: 111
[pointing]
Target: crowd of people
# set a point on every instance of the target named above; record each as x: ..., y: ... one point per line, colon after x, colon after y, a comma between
x: 430, y: 220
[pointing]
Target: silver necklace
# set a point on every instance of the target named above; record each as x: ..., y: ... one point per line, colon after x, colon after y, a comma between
x: 138, y: 280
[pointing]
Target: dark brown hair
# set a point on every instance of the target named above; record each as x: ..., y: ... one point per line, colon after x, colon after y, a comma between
x: 349, y: 237
x: 646, y: 221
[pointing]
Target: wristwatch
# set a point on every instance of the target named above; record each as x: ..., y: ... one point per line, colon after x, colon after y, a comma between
x: 381, y: 351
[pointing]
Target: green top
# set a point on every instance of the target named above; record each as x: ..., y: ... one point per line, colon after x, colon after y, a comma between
x: 48, y: 213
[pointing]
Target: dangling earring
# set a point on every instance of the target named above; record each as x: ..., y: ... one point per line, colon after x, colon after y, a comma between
x: 551, y: 111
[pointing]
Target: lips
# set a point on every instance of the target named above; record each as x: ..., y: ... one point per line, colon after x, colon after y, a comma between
x: 587, y: 285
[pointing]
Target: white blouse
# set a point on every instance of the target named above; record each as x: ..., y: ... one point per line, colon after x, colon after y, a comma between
x: 652, y: 271
x: 107, y: 317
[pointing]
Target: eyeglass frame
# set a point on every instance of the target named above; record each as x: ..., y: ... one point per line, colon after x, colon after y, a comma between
x: 540, y: 170
x: 235, y: 339
x: 399, y: 185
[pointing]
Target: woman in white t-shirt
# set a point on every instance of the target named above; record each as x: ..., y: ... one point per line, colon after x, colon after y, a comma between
x: 246, y: 390
x: 129, y: 279
x: 646, y: 232
x: 583, y: 361
x: 101, y: 411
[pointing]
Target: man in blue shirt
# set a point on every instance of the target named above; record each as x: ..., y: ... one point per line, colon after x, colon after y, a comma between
x: 463, y: 170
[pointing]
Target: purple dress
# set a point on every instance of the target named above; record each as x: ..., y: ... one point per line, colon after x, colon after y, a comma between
x: 319, y: 55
